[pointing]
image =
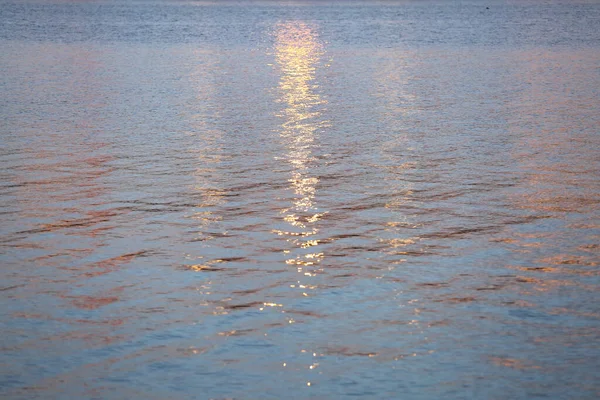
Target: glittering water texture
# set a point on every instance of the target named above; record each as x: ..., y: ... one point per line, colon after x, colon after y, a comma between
x: 262, y: 200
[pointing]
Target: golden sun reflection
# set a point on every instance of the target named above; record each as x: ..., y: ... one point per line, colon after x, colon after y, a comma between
x: 298, y: 53
x: 208, y: 151
x: 396, y: 101
x: 207, y: 154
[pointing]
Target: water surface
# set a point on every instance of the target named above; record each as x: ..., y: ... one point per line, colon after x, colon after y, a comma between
x: 299, y: 199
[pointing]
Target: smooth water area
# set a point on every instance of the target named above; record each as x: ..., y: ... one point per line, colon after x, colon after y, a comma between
x: 269, y: 200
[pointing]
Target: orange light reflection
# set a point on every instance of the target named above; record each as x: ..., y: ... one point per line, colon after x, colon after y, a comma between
x: 298, y: 52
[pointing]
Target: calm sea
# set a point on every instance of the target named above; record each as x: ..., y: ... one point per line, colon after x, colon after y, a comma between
x: 293, y: 200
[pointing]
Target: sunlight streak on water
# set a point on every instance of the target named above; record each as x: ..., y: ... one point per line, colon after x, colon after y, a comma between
x: 298, y: 52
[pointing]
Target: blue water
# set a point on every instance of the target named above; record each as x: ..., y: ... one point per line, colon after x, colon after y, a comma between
x: 273, y: 199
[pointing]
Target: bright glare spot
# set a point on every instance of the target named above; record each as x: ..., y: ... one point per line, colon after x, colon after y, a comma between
x: 273, y: 304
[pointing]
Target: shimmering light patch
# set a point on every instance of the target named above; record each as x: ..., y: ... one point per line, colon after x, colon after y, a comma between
x: 397, y: 242
x: 309, y: 243
x: 198, y: 267
x: 272, y: 305
x: 298, y: 52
